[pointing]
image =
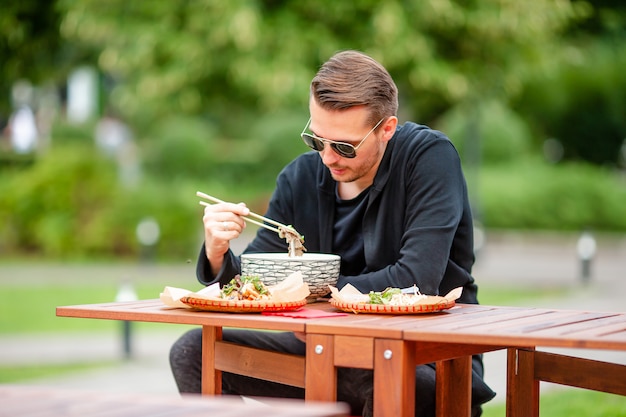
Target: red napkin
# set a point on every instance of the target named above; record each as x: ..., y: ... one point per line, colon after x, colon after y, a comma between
x: 304, y: 313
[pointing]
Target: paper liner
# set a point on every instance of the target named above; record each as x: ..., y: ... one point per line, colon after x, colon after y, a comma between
x: 240, y: 306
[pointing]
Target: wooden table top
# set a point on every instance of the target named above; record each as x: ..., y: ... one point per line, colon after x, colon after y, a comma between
x: 493, y: 325
x: 525, y: 327
x: 462, y: 324
x: 22, y: 400
x: 156, y: 311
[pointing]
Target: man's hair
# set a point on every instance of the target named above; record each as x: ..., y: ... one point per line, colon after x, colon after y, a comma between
x: 351, y: 78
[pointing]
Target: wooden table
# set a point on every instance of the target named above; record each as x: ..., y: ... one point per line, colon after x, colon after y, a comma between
x: 217, y: 355
x: 315, y: 372
x: 28, y: 401
x: 379, y: 342
x: 393, y: 345
x: 522, y: 331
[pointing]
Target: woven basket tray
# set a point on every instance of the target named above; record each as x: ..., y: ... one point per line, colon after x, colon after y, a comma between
x: 241, y: 306
x: 388, y: 309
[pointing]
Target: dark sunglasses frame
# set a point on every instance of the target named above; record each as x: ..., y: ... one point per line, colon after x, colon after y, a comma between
x: 343, y: 149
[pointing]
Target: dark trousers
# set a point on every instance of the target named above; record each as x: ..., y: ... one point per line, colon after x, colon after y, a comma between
x: 354, y: 386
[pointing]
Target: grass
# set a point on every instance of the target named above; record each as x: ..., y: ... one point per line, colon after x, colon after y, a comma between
x: 32, y: 293
x: 35, y: 306
x: 516, y: 296
x: 14, y: 374
x: 570, y: 402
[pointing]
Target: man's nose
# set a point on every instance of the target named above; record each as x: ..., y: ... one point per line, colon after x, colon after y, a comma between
x: 329, y: 156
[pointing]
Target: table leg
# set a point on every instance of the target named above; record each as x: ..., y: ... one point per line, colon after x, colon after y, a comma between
x: 454, y: 387
x: 522, y: 393
x: 394, y: 378
x: 321, y: 374
x: 211, y: 377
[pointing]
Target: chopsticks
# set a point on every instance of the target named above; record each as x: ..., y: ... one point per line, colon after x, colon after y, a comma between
x: 265, y: 219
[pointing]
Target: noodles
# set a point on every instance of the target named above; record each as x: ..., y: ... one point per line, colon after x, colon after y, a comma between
x: 294, y: 240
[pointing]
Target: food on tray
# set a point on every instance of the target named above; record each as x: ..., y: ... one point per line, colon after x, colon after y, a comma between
x: 395, y: 297
x: 391, y: 300
x: 245, y: 288
x: 391, y: 296
x: 241, y: 293
x: 294, y: 239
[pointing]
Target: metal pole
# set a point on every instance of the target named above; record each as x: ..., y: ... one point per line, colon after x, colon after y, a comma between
x: 126, y: 292
x: 586, y: 249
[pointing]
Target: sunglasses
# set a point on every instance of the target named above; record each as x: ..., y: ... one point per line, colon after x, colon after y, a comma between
x: 342, y: 149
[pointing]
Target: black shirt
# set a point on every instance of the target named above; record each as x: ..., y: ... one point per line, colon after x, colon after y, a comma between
x: 348, y: 233
x: 416, y: 228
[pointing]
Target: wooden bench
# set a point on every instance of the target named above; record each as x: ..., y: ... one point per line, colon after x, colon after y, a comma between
x: 27, y: 401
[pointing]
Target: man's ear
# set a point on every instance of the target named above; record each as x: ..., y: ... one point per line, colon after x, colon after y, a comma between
x: 389, y: 127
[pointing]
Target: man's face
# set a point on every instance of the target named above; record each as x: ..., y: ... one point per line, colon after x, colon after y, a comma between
x: 348, y: 126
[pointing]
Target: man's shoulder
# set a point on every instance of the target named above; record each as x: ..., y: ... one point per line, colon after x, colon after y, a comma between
x: 411, y: 132
x: 414, y: 142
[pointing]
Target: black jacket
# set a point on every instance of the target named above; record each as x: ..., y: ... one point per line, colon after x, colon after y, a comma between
x: 417, y: 228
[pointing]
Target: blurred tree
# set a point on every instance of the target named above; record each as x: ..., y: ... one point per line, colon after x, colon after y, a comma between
x: 221, y: 58
x: 29, y: 39
x: 606, y: 19
x: 182, y: 71
x: 32, y: 49
x: 581, y: 103
x: 226, y: 60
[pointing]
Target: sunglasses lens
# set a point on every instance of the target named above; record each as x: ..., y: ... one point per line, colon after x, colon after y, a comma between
x: 344, y: 149
x: 313, y: 142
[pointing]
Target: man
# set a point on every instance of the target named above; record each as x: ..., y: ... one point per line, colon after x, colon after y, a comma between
x: 390, y: 200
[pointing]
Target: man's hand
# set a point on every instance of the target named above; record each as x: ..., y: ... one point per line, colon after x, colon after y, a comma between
x: 222, y: 223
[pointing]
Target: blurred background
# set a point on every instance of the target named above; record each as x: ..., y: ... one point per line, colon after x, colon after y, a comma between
x: 113, y: 113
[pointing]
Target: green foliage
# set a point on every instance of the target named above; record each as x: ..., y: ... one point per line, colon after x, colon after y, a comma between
x: 183, y: 147
x: 582, y: 104
x: 47, y: 206
x: 29, y: 39
x: 500, y: 133
x: 534, y: 195
x: 220, y: 57
x: 216, y: 93
x: 113, y: 231
x: 188, y: 149
x: 69, y: 204
x: 65, y: 133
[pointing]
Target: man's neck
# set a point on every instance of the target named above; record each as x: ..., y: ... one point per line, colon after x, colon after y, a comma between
x: 349, y: 190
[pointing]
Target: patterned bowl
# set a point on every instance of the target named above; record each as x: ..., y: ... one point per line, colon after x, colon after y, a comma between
x: 319, y: 270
